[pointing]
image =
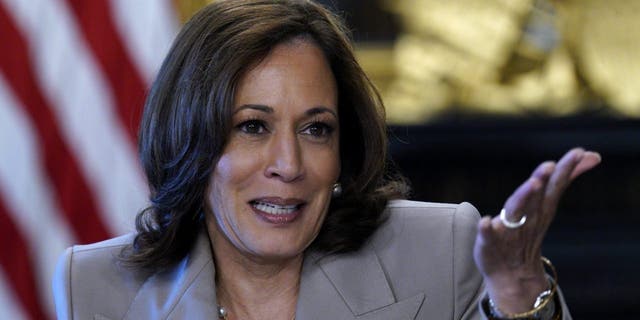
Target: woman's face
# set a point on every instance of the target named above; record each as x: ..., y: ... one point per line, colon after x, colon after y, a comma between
x: 271, y: 188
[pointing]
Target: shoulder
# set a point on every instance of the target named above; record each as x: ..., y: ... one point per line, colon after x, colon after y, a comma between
x: 438, y: 218
x: 90, y: 277
x: 422, y: 231
x: 421, y: 207
x: 103, y: 250
x: 428, y: 247
x: 409, y: 221
x: 95, y: 258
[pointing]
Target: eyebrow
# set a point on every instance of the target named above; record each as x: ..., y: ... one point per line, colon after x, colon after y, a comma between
x: 320, y: 109
x: 258, y: 107
x: 267, y: 109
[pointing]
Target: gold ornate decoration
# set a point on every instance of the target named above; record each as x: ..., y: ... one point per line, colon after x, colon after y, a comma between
x: 548, y: 57
x: 186, y: 8
x: 604, y: 37
x: 517, y: 57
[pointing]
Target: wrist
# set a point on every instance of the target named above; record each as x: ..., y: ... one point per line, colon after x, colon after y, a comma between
x: 517, y: 295
x: 543, y: 307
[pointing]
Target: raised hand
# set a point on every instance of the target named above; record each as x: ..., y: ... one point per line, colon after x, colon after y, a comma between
x: 509, y: 257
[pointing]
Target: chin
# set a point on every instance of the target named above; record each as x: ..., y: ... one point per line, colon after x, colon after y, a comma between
x: 279, y: 254
x: 281, y: 246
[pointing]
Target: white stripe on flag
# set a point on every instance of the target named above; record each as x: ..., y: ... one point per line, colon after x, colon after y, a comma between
x: 26, y: 194
x: 147, y: 28
x: 85, y: 109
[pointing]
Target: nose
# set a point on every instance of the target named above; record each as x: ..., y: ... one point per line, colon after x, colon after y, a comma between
x: 285, y: 158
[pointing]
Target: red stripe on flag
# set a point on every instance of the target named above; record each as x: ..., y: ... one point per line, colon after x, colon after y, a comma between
x: 71, y: 190
x: 97, y: 24
x: 17, y: 264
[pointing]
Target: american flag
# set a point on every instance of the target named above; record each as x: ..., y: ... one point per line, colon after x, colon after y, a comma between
x: 73, y: 77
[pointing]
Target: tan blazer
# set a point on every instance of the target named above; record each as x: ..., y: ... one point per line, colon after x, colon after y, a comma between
x: 418, y: 265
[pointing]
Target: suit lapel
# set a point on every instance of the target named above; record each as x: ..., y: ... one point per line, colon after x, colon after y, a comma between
x: 347, y: 286
x: 357, y: 288
x: 318, y: 299
x: 187, y: 291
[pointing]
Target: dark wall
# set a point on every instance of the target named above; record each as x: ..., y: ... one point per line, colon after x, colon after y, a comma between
x: 366, y: 19
x: 594, y: 241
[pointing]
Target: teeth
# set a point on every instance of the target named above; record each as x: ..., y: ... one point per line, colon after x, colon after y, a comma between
x: 274, y: 208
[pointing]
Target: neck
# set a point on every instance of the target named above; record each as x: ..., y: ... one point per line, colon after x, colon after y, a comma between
x: 249, y: 287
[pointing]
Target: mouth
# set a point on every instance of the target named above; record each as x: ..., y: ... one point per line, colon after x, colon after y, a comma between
x: 277, y: 210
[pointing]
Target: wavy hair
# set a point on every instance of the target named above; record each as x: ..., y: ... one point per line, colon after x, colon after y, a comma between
x: 187, y: 117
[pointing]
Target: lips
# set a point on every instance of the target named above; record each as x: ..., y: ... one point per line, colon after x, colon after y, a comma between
x: 274, y: 208
x: 277, y: 210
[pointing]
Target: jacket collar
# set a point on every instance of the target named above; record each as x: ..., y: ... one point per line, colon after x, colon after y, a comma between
x: 350, y: 286
x: 186, y: 291
x: 346, y: 286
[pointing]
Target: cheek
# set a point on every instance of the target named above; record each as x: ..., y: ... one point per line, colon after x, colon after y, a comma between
x: 228, y: 177
x: 233, y: 170
x: 224, y: 199
x: 223, y: 170
x: 337, y: 164
x: 323, y: 166
x: 332, y: 165
x: 334, y: 168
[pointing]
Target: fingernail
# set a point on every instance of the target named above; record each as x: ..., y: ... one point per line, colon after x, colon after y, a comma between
x: 535, y: 183
x: 548, y: 168
x: 594, y: 154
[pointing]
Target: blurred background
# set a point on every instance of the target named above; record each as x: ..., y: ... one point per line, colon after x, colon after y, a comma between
x: 477, y: 92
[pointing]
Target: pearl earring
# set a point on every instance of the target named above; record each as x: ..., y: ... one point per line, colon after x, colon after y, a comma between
x: 337, y: 190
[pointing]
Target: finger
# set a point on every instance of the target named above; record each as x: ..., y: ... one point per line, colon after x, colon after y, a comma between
x: 560, y: 178
x: 487, y: 248
x: 589, y: 160
x: 544, y: 171
x: 521, y: 200
x: 486, y: 231
x: 542, y: 174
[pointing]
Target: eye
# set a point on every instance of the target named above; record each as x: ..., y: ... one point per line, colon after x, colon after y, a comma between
x: 318, y: 129
x: 252, y: 127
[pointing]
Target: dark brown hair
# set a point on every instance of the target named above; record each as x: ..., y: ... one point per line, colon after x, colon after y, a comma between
x: 187, y: 117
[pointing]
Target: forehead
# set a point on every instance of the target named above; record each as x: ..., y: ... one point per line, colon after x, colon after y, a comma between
x: 295, y: 72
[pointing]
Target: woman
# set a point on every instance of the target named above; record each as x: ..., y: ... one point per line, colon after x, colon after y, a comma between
x: 264, y: 146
